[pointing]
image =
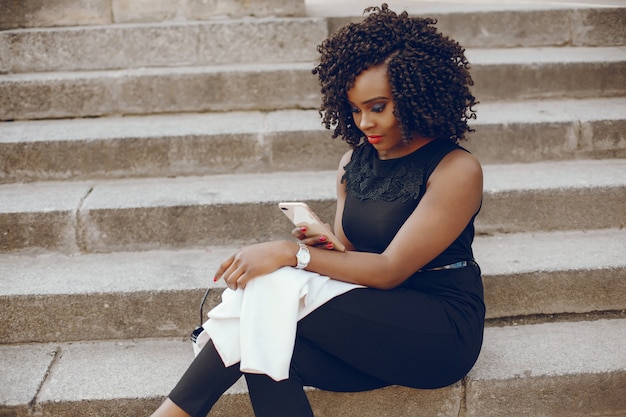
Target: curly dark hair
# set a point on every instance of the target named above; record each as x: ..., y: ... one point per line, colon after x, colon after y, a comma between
x: 428, y: 73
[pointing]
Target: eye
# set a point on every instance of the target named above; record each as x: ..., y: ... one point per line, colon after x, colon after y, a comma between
x: 378, y: 108
x: 355, y: 110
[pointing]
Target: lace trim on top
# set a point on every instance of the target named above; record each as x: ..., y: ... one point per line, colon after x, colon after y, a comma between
x: 369, y: 178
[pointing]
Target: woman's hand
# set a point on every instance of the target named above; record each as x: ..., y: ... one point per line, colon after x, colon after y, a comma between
x: 318, y: 241
x: 255, y: 260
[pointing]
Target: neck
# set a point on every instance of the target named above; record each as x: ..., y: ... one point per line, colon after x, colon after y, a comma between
x: 414, y: 144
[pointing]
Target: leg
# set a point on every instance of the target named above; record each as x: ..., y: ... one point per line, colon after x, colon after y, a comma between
x: 309, y: 364
x: 200, y: 387
x: 277, y: 399
x: 400, y: 337
x: 169, y: 409
x: 312, y: 366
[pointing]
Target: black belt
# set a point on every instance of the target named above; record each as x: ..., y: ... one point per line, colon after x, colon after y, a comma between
x: 456, y: 265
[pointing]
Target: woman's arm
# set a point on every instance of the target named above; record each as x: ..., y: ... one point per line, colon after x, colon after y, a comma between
x: 453, y: 195
x: 341, y: 202
x: 341, y: 199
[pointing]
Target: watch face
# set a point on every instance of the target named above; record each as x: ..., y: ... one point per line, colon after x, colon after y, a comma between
x: 303, y: 256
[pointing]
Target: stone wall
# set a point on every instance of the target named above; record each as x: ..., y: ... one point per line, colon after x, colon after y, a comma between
x: 48, y: 13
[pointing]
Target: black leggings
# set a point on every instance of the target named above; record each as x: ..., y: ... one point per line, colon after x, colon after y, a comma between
x: 358, y: 341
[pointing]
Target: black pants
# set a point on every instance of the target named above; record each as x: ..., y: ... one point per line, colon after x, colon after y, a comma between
x: 361, y: 340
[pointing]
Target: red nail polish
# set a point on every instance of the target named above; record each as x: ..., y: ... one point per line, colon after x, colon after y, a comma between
x: 216, y: 278
x: 322, y: 238
x: 303, y: 229
x: 330, y: 245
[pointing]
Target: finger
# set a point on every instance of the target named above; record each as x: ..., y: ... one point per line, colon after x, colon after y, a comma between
x: 299, y: 232
x: 242, y: 281
x: 228, y: 267
x: 231, y: 280
x: 231, y: 284
x: 230, y: 277
x: 317, y: 241
x: 326, y: 245
x: 223, y: 267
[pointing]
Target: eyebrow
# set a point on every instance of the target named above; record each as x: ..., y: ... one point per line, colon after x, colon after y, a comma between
x: 373, y: 99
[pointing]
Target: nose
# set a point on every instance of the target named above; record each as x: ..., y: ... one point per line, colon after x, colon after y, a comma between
x: 366, y: 121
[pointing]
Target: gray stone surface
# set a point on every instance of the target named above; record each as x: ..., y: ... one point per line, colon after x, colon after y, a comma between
x: 553, y: 273
x: 224, y: 41
x: 354, y: 8
x: 500, y: 74
x: 192, y: 144
x: 507, y: 28
x: 550, y: 175
x: 489, y: 24
x: 43, y: 13
x: 24, y: 368
x: 164, y: 10
x: 550, y: 237
x: 552, y: 369
x: 199, y: 211
x: 535, y: 130
x: 53, y: 297
x: 551, y: 251
x: 532, y: 73
x: 390, y: 401
x: 136, y: 368
x: 119, y: 272
x: 218, y: 143
x: 158, y: 90
x: 553, y: 196
x: 497, y: 25
x: 604, y: 26
x: 39, y: 13
x: 219, y: 42
x: 36, y: 215
x: 550, y: 349
x: 103, y: 216
x: 532, y: 361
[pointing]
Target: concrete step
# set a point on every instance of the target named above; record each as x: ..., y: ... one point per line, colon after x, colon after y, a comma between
x: 500, y: 74
x: 158, y: 90
x: 157, y: 213
x: 530, y: 73
x: 503, y: 24
x: 167, y: 145
x: 245, y: 142
x: 227, y: 41
x: 61, y: 298
x: 215, y: 42
x: 554, y: 369
x: 40, y: 13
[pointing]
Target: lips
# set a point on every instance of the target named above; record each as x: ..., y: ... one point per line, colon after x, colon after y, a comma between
x: 374, y: 139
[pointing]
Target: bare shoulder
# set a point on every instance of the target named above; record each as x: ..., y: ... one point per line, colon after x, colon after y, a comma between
x: 345, y: 159
x: 460, y: 163
x: 343, y: 162
x: 342, y: 168
x: 459, y: 173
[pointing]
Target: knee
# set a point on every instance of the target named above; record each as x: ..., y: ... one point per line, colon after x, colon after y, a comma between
x: 295, y: 373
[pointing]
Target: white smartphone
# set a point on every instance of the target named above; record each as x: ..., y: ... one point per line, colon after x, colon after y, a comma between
x: 301, y: 215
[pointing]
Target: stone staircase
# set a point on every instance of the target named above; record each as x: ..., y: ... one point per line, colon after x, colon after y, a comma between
x: 140, y: 147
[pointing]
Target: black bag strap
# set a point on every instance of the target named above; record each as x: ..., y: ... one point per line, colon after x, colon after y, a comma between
x: 206, y: 294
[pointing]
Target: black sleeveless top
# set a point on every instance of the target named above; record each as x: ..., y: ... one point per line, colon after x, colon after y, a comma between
x: 382, y: 194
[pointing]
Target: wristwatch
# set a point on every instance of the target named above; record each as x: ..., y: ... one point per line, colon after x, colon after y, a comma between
x: 303, y: 256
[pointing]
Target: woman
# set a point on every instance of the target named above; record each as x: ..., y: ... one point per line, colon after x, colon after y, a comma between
x: 398, y: 92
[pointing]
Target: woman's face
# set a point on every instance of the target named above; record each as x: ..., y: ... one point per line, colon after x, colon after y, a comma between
x: 372, y: 110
